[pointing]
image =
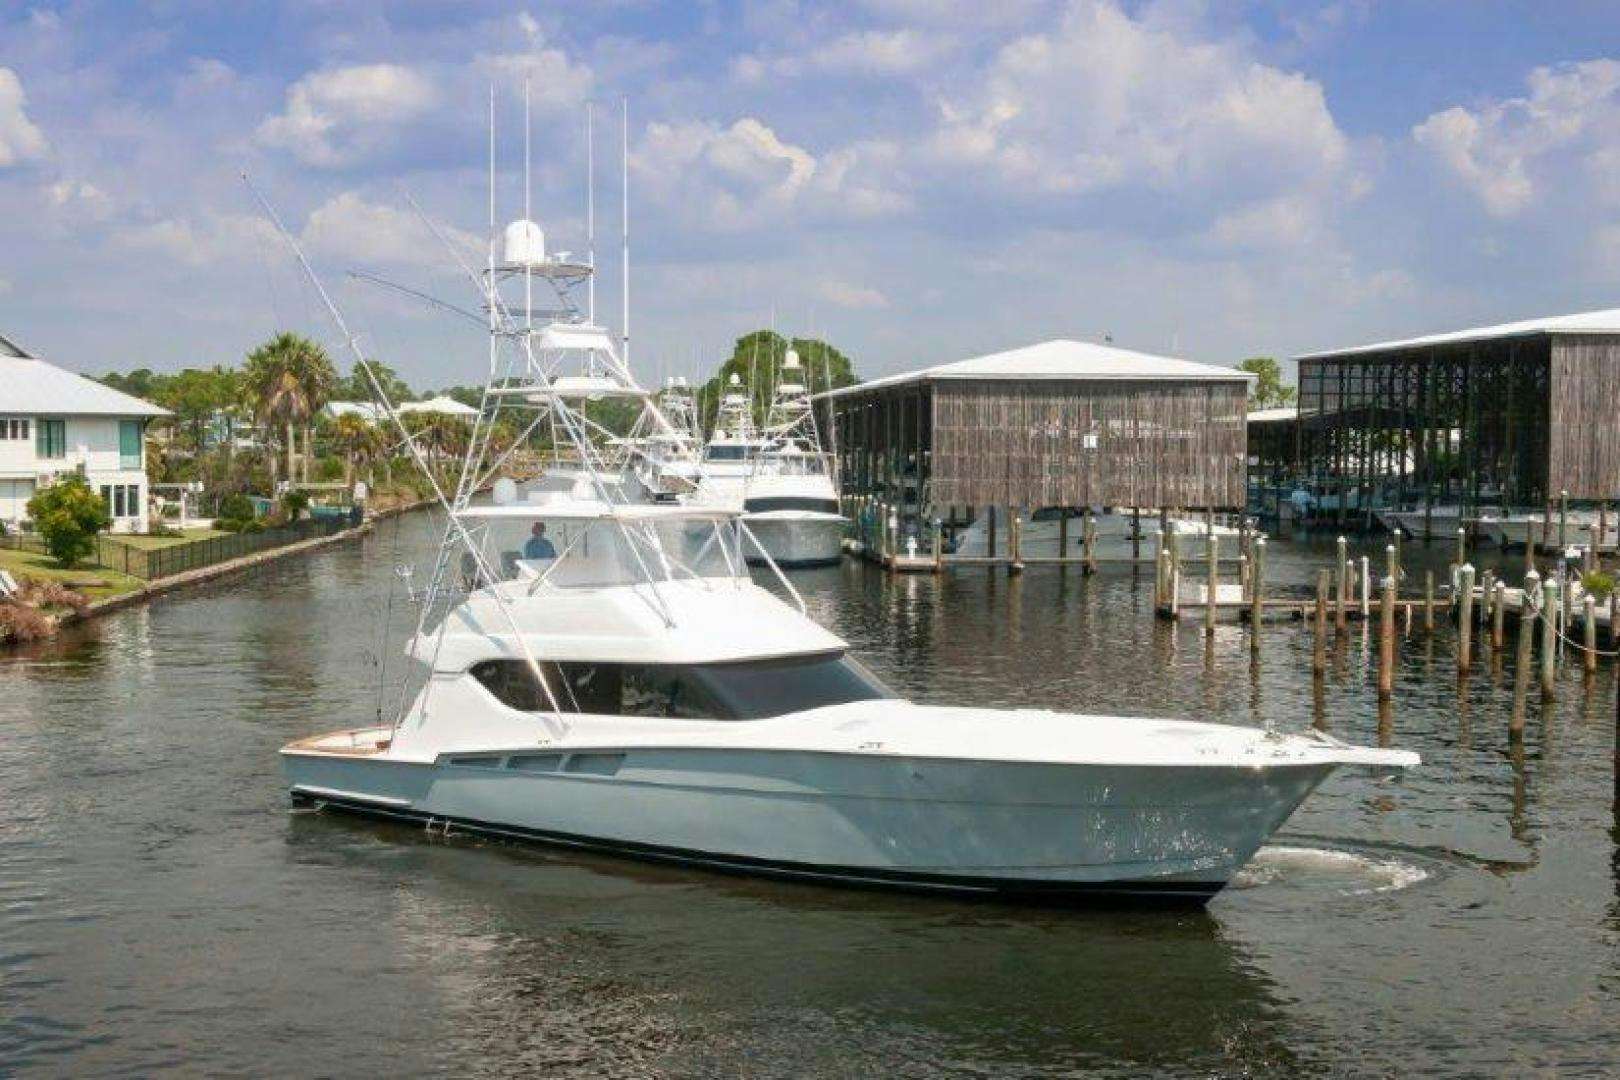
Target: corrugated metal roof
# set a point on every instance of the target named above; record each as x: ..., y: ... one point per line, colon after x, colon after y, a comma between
x: 1062, y: 360
x: 1606, y: 321
x: 30, y: 386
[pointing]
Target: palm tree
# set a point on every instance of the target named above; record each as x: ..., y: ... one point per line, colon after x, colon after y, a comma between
x: 289, y: 379
x: 356, y: 441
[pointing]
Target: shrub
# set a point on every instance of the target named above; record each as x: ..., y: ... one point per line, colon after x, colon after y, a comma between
x: 157, y: 528
x: 230, y: 525
x: 19, y: 622
x: 295, y: 503
x: 1599, y: 583
x: 68, y: 515
x: 237, y: 507
x: 42, y: 594
x: 253, y: 526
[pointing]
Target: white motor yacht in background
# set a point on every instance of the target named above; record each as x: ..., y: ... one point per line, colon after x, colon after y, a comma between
x: 790, y: 500
x: 617, y: 682
x: 1041, y: 535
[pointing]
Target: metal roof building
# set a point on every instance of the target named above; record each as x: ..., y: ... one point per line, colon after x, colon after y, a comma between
x: 31, y: 387
x: 1506, y: 415
x: 1060, y: 423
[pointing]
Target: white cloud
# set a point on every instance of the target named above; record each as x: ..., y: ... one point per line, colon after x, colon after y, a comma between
x: 20, y: 139
x: 854, y: 297
x: 211, y: 238
x: 1502, y: 150
x: 79, y: 198
x: 1288, y: 221
x: 1105, y: 100
x: 881, y: 53
x: 336, y: 117
x: 746, y: 176
x: 355, y: 232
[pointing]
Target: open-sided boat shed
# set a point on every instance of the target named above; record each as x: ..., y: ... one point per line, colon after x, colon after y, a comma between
x: 1507, y: 415
x: 1061, y: 423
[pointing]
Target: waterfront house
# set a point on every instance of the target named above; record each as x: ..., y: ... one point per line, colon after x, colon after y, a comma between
x: 54, y: 421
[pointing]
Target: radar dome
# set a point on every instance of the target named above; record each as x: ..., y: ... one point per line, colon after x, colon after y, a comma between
x: 525, y: 244
x: 790, y: 359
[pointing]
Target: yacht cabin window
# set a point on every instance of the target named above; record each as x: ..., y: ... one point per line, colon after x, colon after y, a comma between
x: 744, y: 690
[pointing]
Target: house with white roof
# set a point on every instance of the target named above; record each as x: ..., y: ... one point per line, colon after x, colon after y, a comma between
x: 54, y: 422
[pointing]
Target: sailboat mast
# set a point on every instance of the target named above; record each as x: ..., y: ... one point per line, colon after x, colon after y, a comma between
x: 590, y: 214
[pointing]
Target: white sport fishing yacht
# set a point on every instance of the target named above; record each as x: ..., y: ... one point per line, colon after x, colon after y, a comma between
x: 601, y: 674
x: 790, y: 500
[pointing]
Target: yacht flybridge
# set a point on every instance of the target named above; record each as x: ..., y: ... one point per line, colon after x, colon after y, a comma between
x: 598, y: 672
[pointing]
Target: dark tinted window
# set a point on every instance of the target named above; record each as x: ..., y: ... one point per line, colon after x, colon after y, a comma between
x: 749, y: 690
x: 726, y: 453
x: 792, y: 502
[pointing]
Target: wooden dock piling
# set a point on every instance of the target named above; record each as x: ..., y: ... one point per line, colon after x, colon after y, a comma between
x: 1589, y: 629
x: 1212, y: 544
x: 1343, y: 547
x: 1015, y: 539
x: 1549, y: 636
x: 1428, y: 601
x: 1089, y: 540
x: 1257, y: 591
x: 1386, y: 641
x: 1498, y: 616
x: 1522, y: 660
x: 1465, y: 617
x: 1319, y: 651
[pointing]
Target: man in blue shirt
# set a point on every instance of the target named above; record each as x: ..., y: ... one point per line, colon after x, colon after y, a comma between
x: 537, y: 546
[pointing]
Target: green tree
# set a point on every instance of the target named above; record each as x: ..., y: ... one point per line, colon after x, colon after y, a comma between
x: 356, y: 442
x: 289, y: 379
x: 757, y: 360
x: 358, y: 388
x: 68, y: 515
x: 1269, y: 391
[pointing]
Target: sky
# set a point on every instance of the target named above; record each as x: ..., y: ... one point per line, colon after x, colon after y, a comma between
x: 914, y: 180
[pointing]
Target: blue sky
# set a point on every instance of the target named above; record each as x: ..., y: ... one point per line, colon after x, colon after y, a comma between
x: 916, y: 180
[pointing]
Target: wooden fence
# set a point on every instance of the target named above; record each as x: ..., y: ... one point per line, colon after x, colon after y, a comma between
x: 151, y: 564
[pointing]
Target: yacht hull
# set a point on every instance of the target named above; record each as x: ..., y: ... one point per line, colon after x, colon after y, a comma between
x: 1051, y: 832
x: 798, y: 539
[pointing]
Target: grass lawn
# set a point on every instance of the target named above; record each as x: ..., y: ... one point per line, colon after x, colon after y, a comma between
x: 33, y: 564
x: 152, y: 543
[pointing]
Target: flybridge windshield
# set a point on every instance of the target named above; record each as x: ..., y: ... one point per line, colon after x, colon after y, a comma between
x: 726, y: 453
x: 540, y: 553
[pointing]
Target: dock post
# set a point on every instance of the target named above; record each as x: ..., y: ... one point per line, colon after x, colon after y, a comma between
x: 1392, y: 561
x: 1136, y: 534
x: 1397, y: 571
x: 1386, y: 641
x: 1213, y: 544
x: 1465, y: 617
x: 1319, y: 651
x: 1589, y: 626
x: 1428, y: 601
x: 1257, y: 588
x: 1015, y: 544
x: 1366, y: 588
x: 894, y: 539
x: 1159, y: 559
x: 1088, y: 539
x: 1563, y: 522
x: 990, y: 537
x: 1462, y: 545
x: 1522, y: 661
x: 1498, y: 616
x: 939, y: 546
x: 1344, y: 583
x: 1549, y: 636
x: 1603, y: 525
x: 1063, y: 537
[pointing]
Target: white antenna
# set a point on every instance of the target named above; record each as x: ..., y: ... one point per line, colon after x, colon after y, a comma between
x: 528, y: 218
x: 590, y: 215
x: 624, y: 217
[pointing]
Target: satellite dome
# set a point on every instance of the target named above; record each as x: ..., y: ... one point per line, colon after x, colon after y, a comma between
x: 525, y: 244
x: 736, y: 380
x: 790, y: 359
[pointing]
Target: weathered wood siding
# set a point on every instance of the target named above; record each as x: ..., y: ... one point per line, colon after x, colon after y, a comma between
x: 1024, y: 443
x: 1584, y: 450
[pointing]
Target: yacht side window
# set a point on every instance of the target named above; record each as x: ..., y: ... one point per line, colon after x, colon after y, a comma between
x: 579, y: 688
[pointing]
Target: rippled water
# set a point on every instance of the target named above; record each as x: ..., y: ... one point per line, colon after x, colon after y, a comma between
x: 161, y: 906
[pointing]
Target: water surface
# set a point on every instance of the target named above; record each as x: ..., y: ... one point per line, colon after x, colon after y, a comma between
x: 162, y: 907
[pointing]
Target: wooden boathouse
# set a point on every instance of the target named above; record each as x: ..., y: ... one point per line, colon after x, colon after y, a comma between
x: 1061, y: 423
x: 1506, y: 416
